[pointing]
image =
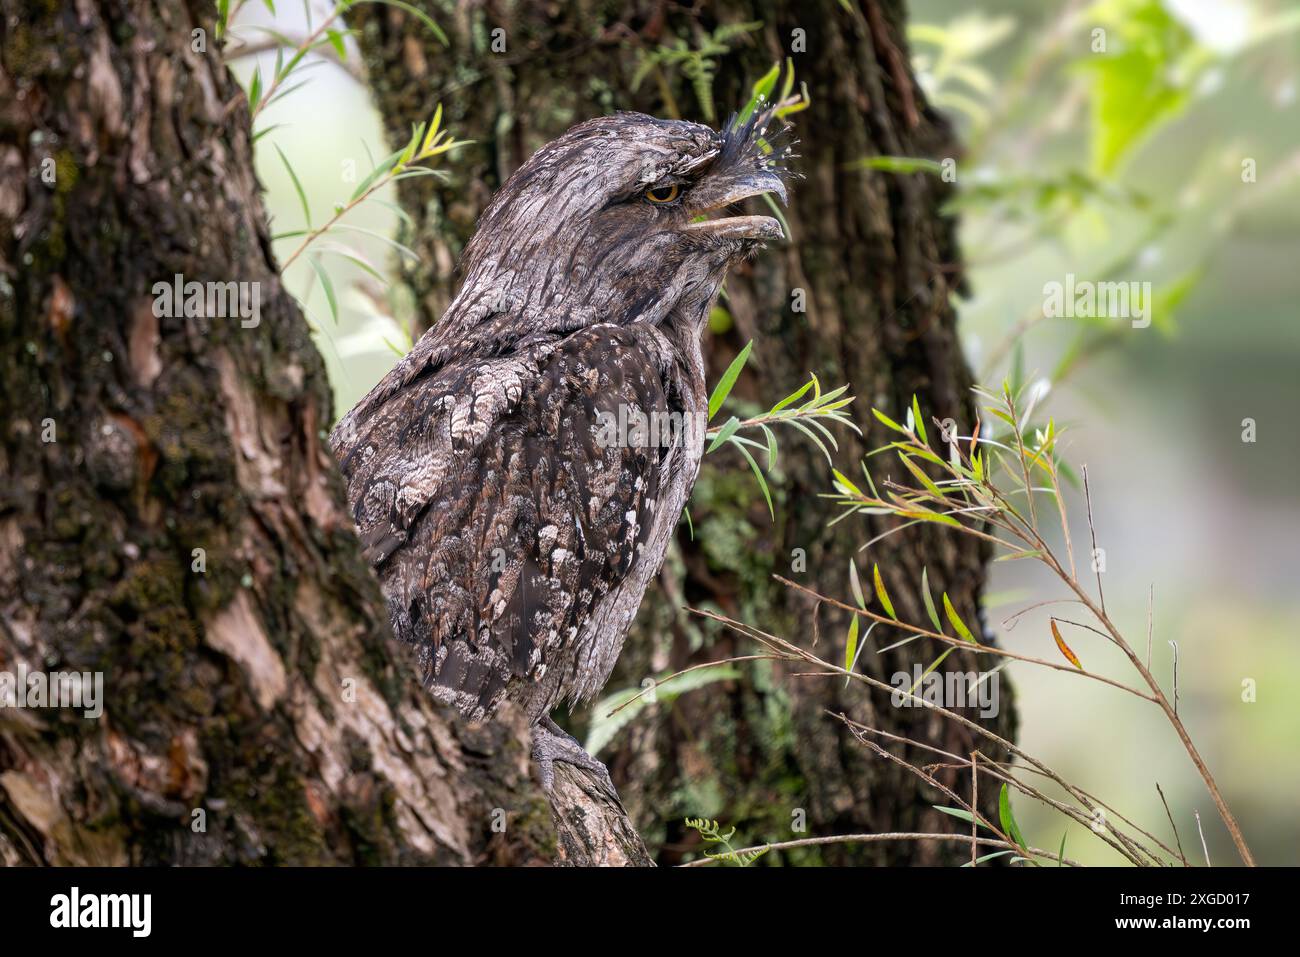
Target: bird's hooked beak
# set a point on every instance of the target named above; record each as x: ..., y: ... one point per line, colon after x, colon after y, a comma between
x: 727, y: 190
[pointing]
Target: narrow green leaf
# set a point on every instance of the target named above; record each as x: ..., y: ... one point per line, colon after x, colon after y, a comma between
x: 266, y: 129
x: 899, y: 164
x: 882, y: 594
x: 284, y: 91
x: 297, y: 187
x: 851, y: 648
x: 419, y: 15
x: 336, y: 41
x: 957, y: 623
x: 406, y: 251
x: 1008, y: 820
x: 353, y: 256
x: 326, y: 284
x: 870, y: 482
x: 920, y: 423
x: 929, y: 601
x: 255, y: 88
x: 925, y: 515
x: 223, y: 14
x: 383, y: 168
x: 435, y: 126
x: 921, y: 477
x: 827, y: 397
x: 842, y: 479
x: 761, y: 93
x: 886, y: 420
x: 855, y: 585
x: 417, y: 135
x: 921, y: 453
x: 726, y: 432
x: 988, y: 857
x: 771, y: 447
x: 1024, y: 553
x: 960, y: 814
x: 934, y: 664
x: 723, y: 388
x: 402, y: 214
x: 758, y: 474
x: 816, y: 440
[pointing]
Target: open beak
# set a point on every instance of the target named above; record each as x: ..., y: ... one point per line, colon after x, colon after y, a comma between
x: 729, y: 190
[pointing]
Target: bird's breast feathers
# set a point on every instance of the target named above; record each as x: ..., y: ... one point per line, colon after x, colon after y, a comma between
x: 516, y: 506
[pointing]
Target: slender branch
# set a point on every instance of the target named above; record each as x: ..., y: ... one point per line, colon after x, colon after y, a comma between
x: 870, y: 838
x: 307, y: 44
x: 1204, y: 846
x: 1170, y: 814
x: 1234, y: 829
x: 780, y: 645
x: 1110, y: 808
x: 1092, y: 529
x: 972, y: 646
x: 1028, y: 533
x: 314, y: 234
x: 1012, y: 620
x: 677, y: 674
x: 1130, y: 847
x: 974, y: 803
x: 258, y: 47
x: 1060, y: 507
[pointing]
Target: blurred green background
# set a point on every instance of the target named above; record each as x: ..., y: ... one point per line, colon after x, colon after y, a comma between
x: 1156, y: 130
x: 1131, y: 162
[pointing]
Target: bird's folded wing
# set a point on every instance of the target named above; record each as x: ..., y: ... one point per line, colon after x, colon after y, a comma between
x: 500, y: 500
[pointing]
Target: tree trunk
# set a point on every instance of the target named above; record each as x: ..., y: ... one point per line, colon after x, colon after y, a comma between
x: 873, y: 262
x: 170, y: 517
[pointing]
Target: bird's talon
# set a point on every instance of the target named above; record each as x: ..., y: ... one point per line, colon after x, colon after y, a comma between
x: 551, y: 744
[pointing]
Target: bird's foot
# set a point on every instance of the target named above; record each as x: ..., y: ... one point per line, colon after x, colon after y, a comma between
x: 551, y: 744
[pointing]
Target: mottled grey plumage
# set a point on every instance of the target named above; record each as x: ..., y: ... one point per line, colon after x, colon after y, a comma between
x: 512, y: 544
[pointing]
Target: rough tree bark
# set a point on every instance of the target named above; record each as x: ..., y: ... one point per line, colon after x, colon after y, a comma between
x: 255, y: 707
x: 876, y: 263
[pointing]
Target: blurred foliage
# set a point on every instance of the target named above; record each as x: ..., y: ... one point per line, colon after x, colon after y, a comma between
x: 697, y: 62
x: 1109, y: 77
x: 1171, y: 155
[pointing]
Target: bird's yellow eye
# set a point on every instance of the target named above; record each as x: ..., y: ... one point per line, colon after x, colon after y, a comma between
x: 663, y: 194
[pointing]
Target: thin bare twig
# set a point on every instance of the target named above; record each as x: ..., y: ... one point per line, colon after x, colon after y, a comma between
x: 980, y: 484
x: 1170, y: 814
x: 706, y: 664
x: 973, y: 646
x: 303, y: 48
x: 1174, y: 645
x: 780, y: 645
x: 974, y: 803
x: 871, y: 838
x: 1092, y: 530
x: 1204, y: 847
x: 1130, y: 848
x: 1012, y: 620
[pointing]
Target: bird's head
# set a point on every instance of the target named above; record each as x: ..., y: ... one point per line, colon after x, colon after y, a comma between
x: 624, y: 218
